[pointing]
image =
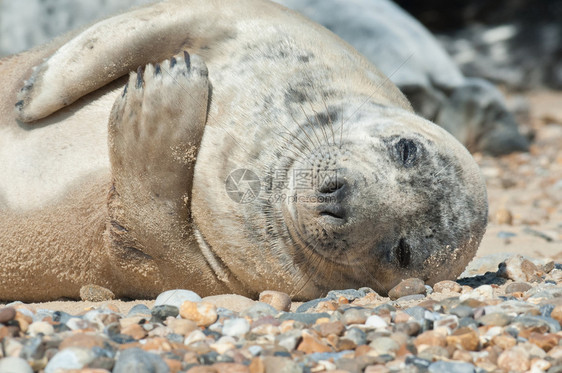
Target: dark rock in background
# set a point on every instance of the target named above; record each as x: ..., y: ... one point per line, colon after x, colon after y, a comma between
x: 517, y: 43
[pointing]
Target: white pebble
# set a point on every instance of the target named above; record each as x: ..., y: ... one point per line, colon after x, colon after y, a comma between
x: 40, y: 327
x: 235, y: 327
x: 176, y: 298
x: 14, y: 364
x: 375, y: 322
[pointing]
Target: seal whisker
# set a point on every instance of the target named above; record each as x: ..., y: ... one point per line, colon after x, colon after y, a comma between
x: 296, y: 137
x: 363, y: 270
x: 302, y: 129
x: 310, y: 263
x: 329, y: 119
x: 309, y: 100
x: 312, y: 127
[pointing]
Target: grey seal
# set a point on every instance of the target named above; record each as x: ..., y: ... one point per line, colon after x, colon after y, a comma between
x: 222, y: 147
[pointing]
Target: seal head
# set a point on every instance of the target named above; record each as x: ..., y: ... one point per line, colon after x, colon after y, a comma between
x: 389, y: 203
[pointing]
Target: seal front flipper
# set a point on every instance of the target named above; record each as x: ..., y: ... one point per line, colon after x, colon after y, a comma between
x: 155, y: 129
x: 110, y: 49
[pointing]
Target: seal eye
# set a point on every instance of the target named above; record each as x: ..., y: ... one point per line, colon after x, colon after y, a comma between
x: 407, y: 152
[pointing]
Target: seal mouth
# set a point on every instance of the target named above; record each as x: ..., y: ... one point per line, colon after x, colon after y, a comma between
x: 403, y: 253
x: 332, y: 213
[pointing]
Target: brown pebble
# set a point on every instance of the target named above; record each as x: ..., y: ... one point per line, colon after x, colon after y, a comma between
x: 257, y: 365
x: 325, y: 329
x: 504, y: 216
x: 202, y: 313
x: 181, y: 326
x: 134, y: 330
x: 447, y: 286
x: 515, y: 359
x: 158, y: 344
x: 311, y: 343
x: 462, y: 355
x: 202, y: 369
x: 329, y: 305
x: 410, y: 286
x: 174, y: 365
x: 83, y: 340
x: 495, y: 319
x: 431, y: 338
x: 95, y: 293
x: 517, y: 287
x: 7, y: 314
x: 401, y: 317
x: 23, y: 320
x: 519, y: 269
x: 556, y: 313
x: 544, y: 341
x: 555, y: 353
x: 278, y: 300
x: 505, y: 341
x: 465, y: 338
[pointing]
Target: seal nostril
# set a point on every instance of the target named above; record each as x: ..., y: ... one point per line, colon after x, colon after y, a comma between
x: 331, y: 186
x: 403, y: 253
x: 407, y: 152
x: 329, y: 213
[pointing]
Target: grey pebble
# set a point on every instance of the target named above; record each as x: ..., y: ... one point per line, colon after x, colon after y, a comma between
x: 305, y: 318
x: 139, y: 361
x: 356, y: 335
x: 530, y: 321
x: 409, y: 298
x: 451, y: 367
x: 546, y: 309
x: 311, y: 304
x: 139, y: 310
x: 289, y: 339
x: 33, y: 349
x: 259, y: 310
x: 176, y: 297
x: 162, y: 312
x: 517, y: 287
x: 418, y: 362
x: 504, y: 234
x: 349, y: 294
x: 467, y: 321
x: 62, y: 317
x: 462, y: 311
x: 417, y: 312
x: 355, y: 316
